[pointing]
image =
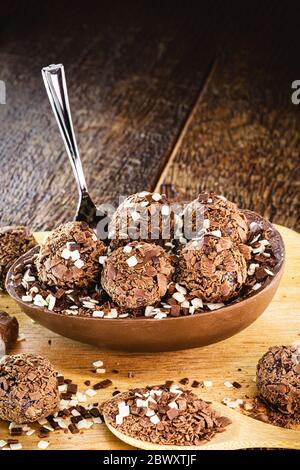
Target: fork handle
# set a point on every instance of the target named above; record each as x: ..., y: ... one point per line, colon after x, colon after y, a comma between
x: 56, y: 87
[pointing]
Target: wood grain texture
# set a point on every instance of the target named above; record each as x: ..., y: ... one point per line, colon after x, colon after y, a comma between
x: 133, y: 74
x: 242, y: 139
x: 280, y: 324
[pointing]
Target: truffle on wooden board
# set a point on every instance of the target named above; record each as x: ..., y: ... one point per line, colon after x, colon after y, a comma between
x: 9, y: 331
x: 28, y: 388
x: 278, y: 378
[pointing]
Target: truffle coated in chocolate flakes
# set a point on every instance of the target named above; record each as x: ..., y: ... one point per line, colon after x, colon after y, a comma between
x: 9, y: 329
x: 143, y: 216
x: 15, y: 241
x: 262, y: 411
x: 28, y: 388
x: 212, y: 269
x: 221, y: 214
x: 271, y: 260
x: 141, y: 283
x: 193, y: 422
x: 58, y: 264
x: 278, y: 378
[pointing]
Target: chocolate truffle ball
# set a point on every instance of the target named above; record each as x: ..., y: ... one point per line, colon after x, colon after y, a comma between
x: 15, y: 241
x: 28, y: 388
x: 218, y: 214
x: 278, y: 378
x: 143, y: 216
x: 212, y: 268
x: 137, y: 274
x: 70, y: 256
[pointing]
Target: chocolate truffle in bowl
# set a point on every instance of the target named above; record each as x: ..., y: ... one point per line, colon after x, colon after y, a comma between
x: 70, y: 256
x: 142, y: 216
x: 15, y: 241
x: 217, y: 213
x: 278, y: 378
x: 28, y: 388
x: 212, y: 268
x: 137, y: 274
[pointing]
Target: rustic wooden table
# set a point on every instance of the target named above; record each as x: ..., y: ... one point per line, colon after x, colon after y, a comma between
x: 200, y: 98
x: 160, y: 94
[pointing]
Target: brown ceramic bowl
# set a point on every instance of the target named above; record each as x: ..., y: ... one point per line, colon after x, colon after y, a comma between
x: 150, y: 335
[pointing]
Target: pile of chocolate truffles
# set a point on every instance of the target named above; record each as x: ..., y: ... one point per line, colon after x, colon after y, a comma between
x: 149, y: 267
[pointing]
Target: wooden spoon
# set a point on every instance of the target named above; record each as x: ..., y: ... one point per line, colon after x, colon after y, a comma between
x: 243, y: 433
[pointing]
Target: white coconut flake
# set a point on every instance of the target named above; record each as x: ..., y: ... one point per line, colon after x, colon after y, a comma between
x: 150, y: 412
x: 132, y: 261
x: 113, y: 313
x: 185, y: 304
x: 269, y: 272
x: 75, y: 255
x: 228, y: 384
x: 253, y: 226
x: 154, y: 419
x: 256, y: 286
x: 165, y: 210
x: 17, y: 446
x: 90, y: 392
x: 156, y: 197
x: 149, y: 311
x: 160, y: 316
x: 30, y: 432
x: 119, y: 420
x: 98, y: 364
x: 181, y: 289
x: 2, y: 443
x: 178, y: 297
x: 173, y: 404
x: 79, y: 263
x: 252, y: 268
x: 206, y: 224
x: 100, y: 371
x: 127, y: 249
x: 215, y: 306
x: 135, y: 216
x: 207, y: 383
x: 197, y: 303
x: 216, y: 233
x: 27, y: 298
x: 98, y: 314
x: 102, y: 259
x: 66, y: 253
x: 51, y: 301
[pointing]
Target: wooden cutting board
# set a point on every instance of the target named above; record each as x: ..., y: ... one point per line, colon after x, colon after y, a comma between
x: 280, y: 324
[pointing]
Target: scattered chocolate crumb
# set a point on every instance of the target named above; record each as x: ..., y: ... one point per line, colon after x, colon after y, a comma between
x: 49, y: 342
x: 87, y: 383
x: 130, y: 375
x: 16, y: 431
x: 73, y: 428
x: 196, y: 384
x: 103, y: 384
x: 184, y: 381
x: 116, y: 392
x: 115, y: 371
x: 236, y: 385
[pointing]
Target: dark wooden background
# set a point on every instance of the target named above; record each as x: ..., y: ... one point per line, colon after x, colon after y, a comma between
x: 174, y: 92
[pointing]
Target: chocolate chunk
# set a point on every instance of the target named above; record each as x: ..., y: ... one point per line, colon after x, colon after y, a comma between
x: 103, y: 384
x: 9, y: 331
